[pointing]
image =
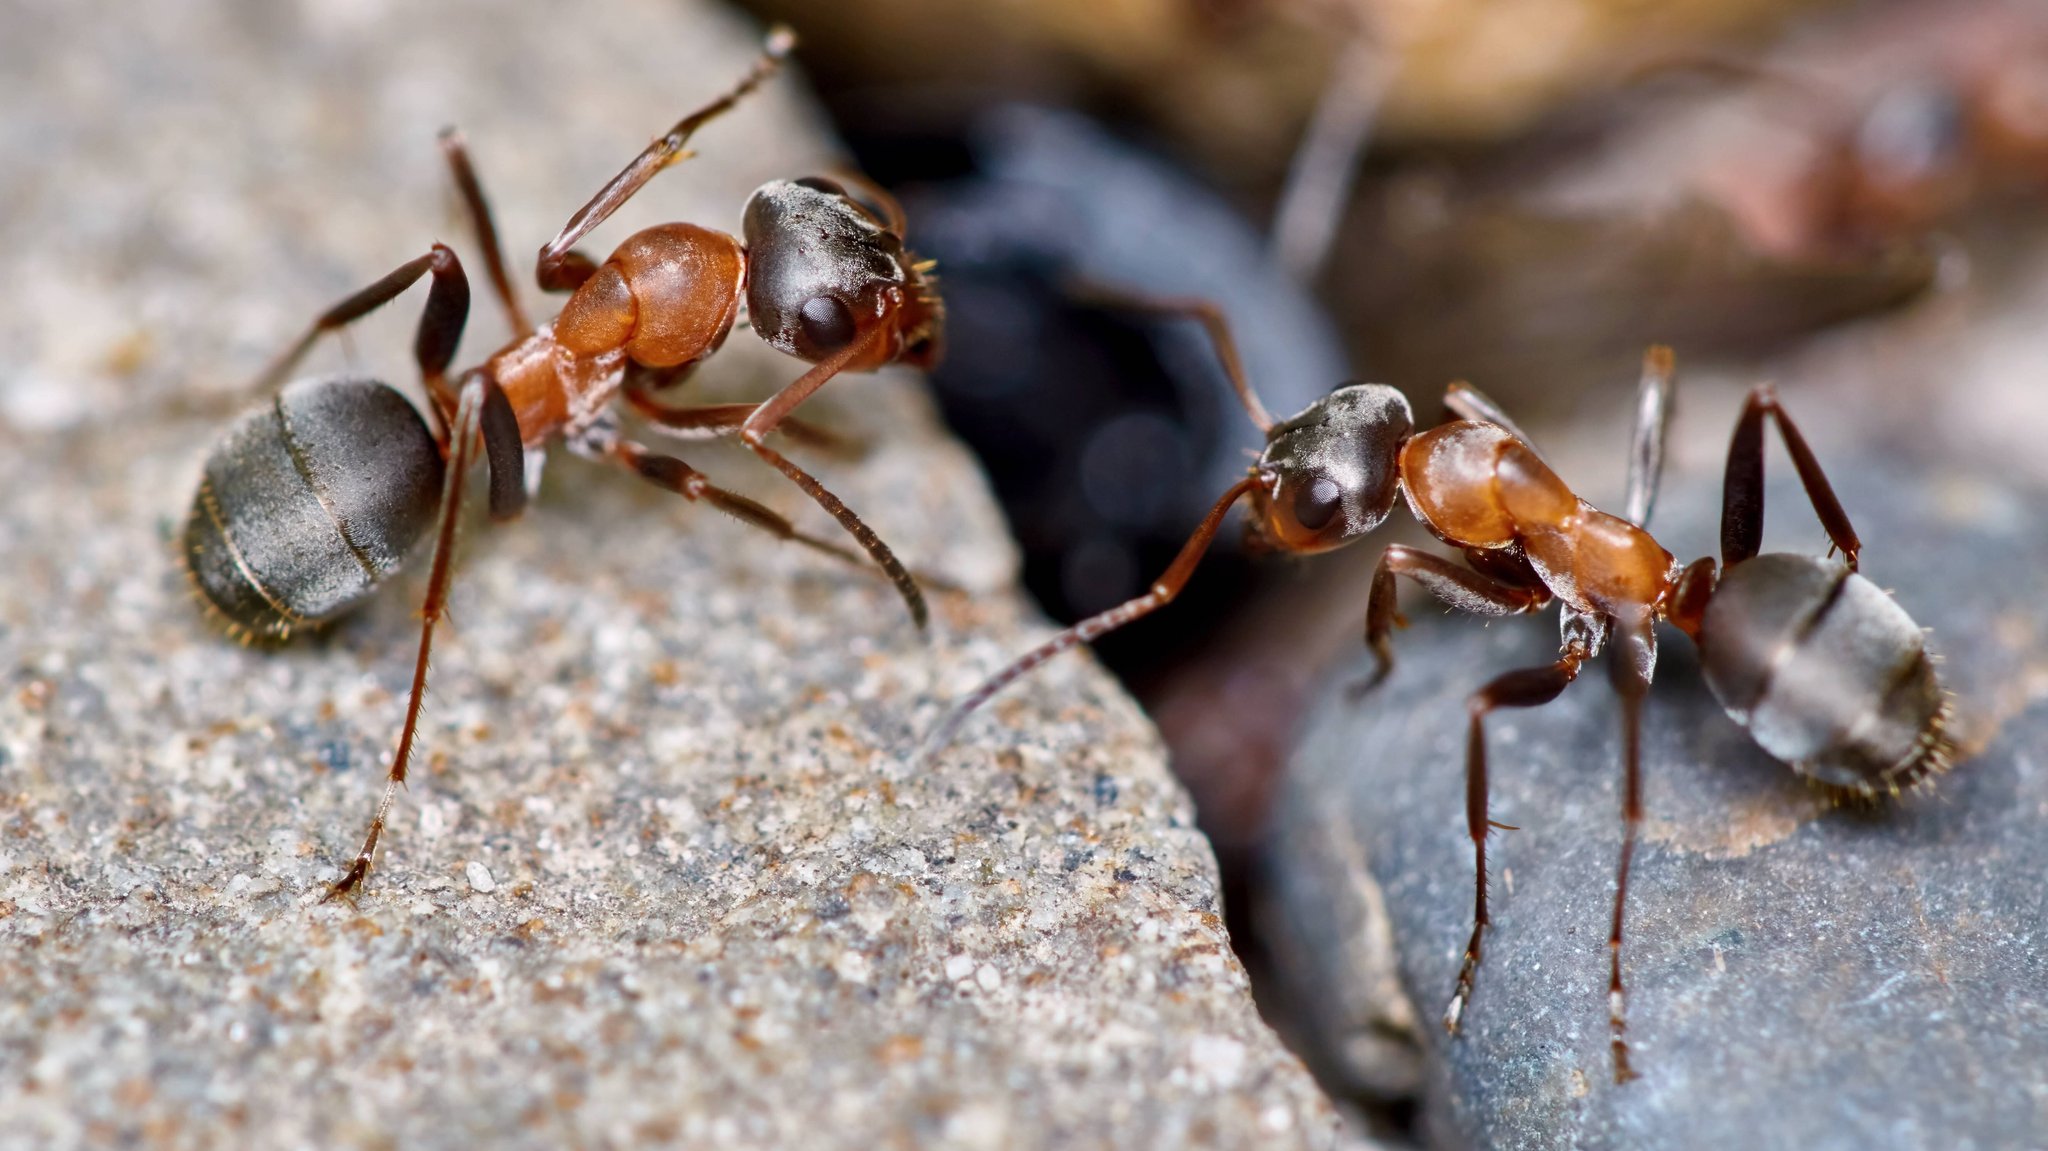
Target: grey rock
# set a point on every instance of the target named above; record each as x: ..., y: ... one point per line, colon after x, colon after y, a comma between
x: 1798, y: 977
x: 664, y: 875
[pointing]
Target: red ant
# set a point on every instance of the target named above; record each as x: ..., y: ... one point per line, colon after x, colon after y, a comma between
x: 310, y: 503
x: 1825, y: 671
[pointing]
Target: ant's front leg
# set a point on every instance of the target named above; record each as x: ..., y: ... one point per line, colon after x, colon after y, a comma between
x: 1495, y: 594
x: 560, y: 268
x: 772, y: 413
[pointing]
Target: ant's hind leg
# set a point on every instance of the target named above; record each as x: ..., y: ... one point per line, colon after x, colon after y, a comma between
x: 474, y: 421
x: 440, y: 328
x: 1528, y: 687
x: 457, y: 153
x: 1653, y: 419
x: 1742, y: 487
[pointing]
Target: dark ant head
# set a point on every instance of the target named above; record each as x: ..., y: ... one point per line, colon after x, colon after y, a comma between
x: 824, y: 272
x: 1330, y: 474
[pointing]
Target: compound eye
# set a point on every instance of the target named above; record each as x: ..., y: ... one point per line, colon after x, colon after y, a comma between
x: 1316, y: 504
x: 828, y: 324
x: 821, y: 184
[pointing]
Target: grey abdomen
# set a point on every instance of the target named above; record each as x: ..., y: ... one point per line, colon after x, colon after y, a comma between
x: 1826, y: 671
x: 309, y: 502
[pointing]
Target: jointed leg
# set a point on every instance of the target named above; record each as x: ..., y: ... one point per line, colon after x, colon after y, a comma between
x: 1528, y: 687
x: 1094, y: 627
x: 1469, y: 403
x: 1467, y: 591
x: 560, y: 269
x: 777, y: 408
x: 668, y: 472
x: 440, y: 328
x: 1653, y: 417
x: 472, y: 191
x: 1631, y: 663
x: 711, y: 421
x: 468, y: 429
x: 1742, y: 487
x: 1211, y: 318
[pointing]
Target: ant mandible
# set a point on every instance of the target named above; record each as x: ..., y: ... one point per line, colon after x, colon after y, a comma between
x: 1824, y: 669
x: 309, y: 504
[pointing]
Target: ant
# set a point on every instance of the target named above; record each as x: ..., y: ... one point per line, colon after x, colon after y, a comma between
x: 310, y: 503
x: 1823, y: 669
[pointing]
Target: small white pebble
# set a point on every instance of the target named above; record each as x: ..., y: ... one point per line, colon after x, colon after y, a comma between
x: 959, y: 967
x: 988, y: 977
x: 480, y: 880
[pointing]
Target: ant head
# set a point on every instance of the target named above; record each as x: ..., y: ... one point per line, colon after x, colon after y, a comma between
x: 825, y: 271
x: 1330, y: 474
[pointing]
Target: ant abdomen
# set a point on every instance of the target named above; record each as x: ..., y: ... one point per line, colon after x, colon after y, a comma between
x: 308, y: 503
x: 1827, y: 673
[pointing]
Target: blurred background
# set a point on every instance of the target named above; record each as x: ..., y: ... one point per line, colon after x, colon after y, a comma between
x: 1844, y: 197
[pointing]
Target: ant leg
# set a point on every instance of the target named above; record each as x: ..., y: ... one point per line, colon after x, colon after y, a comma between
x: 771, y: 413
x: 1742, y: 487
x: 559, y: 269
x: 440, y: 328
x: 1467, y: 591
x: 710, y: 421
x: 457, y: 153
x: 1096, y: 626
x: 1653, y: 418
x: 471, y: 423
x: 1631, y: 664
x: 1469, y: 403
x: 1207, y: 313
x: 664, y: 471
x: 1527, y: 687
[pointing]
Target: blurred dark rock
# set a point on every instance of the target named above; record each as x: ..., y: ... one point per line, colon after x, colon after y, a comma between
x: 1798, y: 977
x: 665, y: 875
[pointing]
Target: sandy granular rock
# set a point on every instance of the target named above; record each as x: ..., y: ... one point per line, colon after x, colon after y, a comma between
x: 665, y: 873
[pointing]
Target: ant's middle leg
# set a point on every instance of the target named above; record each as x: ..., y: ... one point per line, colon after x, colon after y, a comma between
x: 1490, y: 594
x: 1742, y: 487
x: 1631, y: 663
x: 672, y: 474
x: 710, y: 421
x: 1527, y: 687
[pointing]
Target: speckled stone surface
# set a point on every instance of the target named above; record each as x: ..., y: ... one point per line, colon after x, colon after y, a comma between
x: 665, y: 875
x: 1798, y: 977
